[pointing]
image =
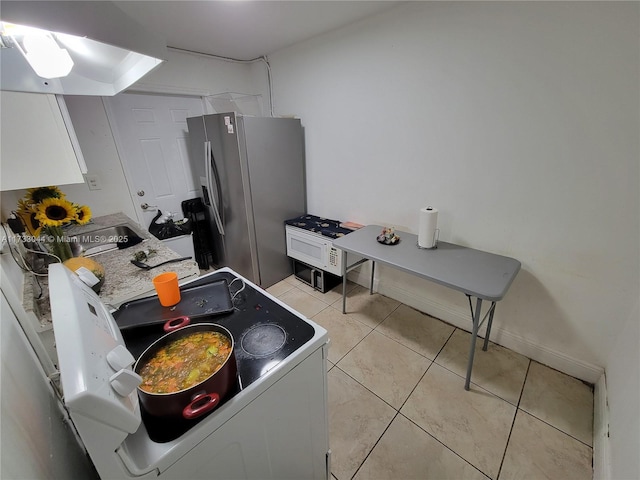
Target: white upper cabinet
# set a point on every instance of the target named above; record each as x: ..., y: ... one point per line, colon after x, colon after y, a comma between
x: 37, y: 147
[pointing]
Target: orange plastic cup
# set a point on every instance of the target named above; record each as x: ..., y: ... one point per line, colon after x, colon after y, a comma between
x: 166, y: 285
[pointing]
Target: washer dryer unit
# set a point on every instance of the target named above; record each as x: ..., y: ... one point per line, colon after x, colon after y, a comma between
x: 274, y: 423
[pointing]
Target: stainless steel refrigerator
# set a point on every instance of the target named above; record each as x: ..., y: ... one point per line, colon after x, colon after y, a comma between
x: 252, y: 176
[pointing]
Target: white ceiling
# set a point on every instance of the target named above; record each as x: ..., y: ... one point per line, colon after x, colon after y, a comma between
x: 243, y: 29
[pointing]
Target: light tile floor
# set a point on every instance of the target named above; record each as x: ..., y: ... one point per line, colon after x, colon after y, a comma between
x: 398, y: 408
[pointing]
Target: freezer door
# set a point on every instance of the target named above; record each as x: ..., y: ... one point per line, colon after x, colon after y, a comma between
x: 226, y: 174
x: 276, y: 171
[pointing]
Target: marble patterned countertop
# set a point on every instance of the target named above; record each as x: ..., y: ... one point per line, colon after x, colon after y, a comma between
x: 123, y: 280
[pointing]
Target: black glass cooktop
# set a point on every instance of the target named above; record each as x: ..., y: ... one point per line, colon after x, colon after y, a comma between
x: 264, y: 332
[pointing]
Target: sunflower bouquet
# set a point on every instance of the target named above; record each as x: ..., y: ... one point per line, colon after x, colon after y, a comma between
x: 44, y: 211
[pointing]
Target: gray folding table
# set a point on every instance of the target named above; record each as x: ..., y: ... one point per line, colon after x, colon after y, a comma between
x: 483, y: 275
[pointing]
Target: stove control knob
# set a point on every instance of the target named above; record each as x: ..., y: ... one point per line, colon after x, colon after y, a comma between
x: 125, y: 381
x: 120, y: 358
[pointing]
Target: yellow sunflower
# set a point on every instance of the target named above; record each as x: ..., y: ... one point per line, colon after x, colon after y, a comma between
x: 27, y: 213
x: 55, y: 212
x: 23, y: 205
x: 83, y: 214
x: 37, y: 195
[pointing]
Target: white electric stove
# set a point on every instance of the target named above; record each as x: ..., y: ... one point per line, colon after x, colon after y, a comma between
x: 273, y: 425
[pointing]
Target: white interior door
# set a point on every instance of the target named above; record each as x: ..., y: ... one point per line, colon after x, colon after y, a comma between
x: 152, y: 139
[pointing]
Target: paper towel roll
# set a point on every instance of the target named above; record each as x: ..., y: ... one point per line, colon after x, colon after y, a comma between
x: 427, y: 227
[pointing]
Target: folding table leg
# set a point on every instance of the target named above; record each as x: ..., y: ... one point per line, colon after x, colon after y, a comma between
x: 344, y: 281
x: 474, y: 336
x: 373, y: 269
x: 490, y: 321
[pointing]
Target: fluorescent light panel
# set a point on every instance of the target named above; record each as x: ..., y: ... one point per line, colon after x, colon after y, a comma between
x: 41, y: 50
x: 46, y: 58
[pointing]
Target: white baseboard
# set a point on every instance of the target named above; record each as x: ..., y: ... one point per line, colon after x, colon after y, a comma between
x: 460, y: 316
x: 601, y: 442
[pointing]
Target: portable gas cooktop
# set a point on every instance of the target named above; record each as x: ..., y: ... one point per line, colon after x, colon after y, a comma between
x: 264, y: 332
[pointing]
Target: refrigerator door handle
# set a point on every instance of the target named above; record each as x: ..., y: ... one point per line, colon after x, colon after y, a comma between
x: 214, y: 201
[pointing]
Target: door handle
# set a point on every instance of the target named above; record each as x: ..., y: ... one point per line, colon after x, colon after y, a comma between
x: 146, y: 206
x: 214, y: 202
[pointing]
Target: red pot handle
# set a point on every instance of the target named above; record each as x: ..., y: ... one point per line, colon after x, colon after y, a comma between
x: 176, y: 323
x: 201, y: 404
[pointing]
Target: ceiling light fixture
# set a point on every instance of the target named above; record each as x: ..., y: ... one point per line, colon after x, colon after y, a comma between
x: 46, y: 57
x: 110, y: 51
x: 41, y: 50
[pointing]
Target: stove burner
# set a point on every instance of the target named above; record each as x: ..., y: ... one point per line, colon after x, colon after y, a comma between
x: 263, y: 340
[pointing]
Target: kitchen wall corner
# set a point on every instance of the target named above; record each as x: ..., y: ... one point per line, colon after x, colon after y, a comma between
x: 101, y: 156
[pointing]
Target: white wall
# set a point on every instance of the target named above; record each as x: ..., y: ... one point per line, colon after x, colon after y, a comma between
x: 519, y: 121
x: 201, y: 75
x: 98, y: 147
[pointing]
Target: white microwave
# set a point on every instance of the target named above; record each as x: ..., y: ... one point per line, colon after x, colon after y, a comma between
x: 313, y: 249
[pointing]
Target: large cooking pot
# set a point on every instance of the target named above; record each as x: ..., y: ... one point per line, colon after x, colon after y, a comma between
x: 200, y: 398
